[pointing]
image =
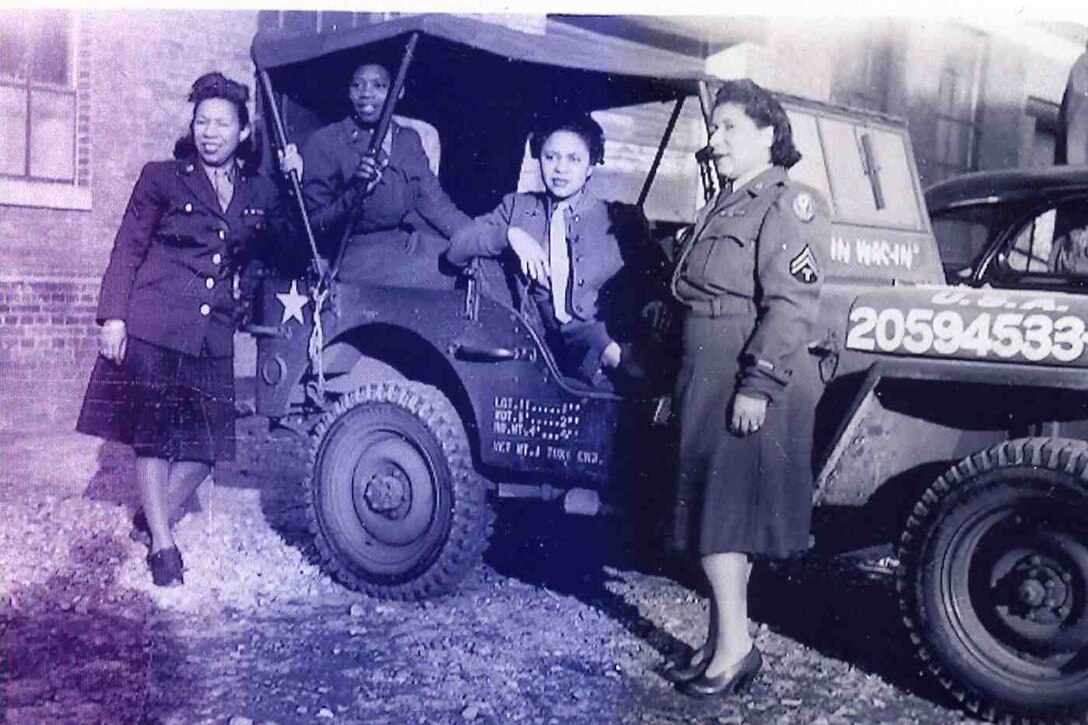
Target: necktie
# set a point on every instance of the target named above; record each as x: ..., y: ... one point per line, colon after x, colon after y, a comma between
x: 559, y: 261
x: 224, y: 188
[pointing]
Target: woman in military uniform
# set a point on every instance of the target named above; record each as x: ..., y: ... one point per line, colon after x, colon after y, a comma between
x: 565, y: 238
x: 748, y: 278
x: 382, y: 212
x: 164, y: 381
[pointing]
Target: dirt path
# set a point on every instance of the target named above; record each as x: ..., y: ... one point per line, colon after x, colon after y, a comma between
x: 561, y: 626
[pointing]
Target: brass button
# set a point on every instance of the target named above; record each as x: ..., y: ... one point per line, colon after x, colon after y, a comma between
x: 217, y: 258
x: 205, y: 309
x: 209, y: 282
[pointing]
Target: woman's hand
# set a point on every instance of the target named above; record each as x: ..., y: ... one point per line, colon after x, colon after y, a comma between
x: 749, y: 412
x: 291, y: 160
x: 113, y: 340
x: 656, y: 316
x: 369, y: 171
x: 611, y: 355
x: 533, y: 258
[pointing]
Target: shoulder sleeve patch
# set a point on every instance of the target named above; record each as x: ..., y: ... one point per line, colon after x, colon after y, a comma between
x: 804, y: 207
x: 803, y: 267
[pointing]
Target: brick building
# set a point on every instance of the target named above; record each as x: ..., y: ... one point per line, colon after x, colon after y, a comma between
x: 87, y: 97
x: 114, y: 82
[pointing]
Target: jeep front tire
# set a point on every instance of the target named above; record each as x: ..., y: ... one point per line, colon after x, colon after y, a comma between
x: 395, y: 508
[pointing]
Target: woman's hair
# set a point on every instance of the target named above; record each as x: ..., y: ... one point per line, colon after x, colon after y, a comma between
x: 760, y: 106
x: 577, y: 123
x: 216, y: 85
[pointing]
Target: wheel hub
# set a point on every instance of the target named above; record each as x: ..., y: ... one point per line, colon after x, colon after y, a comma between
x: 1042, y: 594
x: 387, y: 492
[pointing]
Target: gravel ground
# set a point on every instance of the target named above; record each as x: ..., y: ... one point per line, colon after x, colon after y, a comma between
x: 560, y: 626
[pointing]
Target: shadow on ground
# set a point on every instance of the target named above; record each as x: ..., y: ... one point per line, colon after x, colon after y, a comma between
x: 541, y: 546
x: 825, y: 603
x: 79, y: 648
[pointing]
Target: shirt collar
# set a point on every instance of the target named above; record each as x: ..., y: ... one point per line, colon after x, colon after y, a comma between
x: 575, y: 203
x: 751, y: 175
x: 229, y: 170
x: 355, y: 131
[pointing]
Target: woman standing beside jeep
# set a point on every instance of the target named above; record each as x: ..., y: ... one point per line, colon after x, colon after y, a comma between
x: 164, y: 379
x: 748, y: 279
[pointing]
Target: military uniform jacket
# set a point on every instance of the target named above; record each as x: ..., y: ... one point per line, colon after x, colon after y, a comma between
x: 610, y: 255
x: 171, y: 271
x: 407, y: 188
x: 760, y: 243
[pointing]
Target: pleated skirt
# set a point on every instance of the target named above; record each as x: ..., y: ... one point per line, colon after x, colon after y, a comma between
x: 163, y: 403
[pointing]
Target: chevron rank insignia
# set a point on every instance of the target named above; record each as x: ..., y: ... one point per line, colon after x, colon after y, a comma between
x: 803, y: 266
x: 804, y: 207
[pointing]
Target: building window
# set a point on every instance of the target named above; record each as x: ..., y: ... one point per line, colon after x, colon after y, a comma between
x: 43, y: 160
x: 957, y: 103
x: 864, y: 67
x: 1039, y: 133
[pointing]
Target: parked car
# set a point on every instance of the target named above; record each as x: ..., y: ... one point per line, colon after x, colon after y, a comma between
x: 1015, y: 228
x: 943, y: 417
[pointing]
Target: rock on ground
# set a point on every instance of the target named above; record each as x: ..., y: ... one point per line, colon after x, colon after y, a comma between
x: 561, y: 625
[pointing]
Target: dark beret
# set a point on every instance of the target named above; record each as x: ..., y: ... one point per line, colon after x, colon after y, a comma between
x: 217, y: 85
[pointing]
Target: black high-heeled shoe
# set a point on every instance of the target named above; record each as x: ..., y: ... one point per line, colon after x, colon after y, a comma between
x: 728, y: 683
x: 166, y: 567
x: 678, y: 674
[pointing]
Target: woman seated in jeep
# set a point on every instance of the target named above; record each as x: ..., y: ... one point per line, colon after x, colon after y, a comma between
x: 589, y: 262
x: 386, y: 217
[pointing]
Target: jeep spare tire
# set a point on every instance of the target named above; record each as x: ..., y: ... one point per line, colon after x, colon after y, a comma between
x: 395, y: 509
x: 993, y: 580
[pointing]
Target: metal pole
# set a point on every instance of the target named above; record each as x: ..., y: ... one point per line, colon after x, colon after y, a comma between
x: 660, y: 151
x: 296, y: 186
x: 706, y: 170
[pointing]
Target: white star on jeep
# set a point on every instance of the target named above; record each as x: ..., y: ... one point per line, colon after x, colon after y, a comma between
x: 293, y: 304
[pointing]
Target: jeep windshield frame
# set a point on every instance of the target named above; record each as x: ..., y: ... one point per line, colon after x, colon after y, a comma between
x: 480, y: 84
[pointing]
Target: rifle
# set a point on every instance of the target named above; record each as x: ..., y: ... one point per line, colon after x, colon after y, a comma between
x: 376, y: 139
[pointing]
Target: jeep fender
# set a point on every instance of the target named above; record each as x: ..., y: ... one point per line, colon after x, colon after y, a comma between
x: 909, y: 416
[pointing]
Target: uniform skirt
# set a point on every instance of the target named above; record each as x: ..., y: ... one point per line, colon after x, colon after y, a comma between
x: 163, y: 403
x: 748, y: 494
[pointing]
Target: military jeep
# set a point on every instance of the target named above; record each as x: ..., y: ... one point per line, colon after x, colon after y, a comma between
x: 941, y: 409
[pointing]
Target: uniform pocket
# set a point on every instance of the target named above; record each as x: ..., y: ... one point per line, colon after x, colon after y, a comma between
x: 730, y: 265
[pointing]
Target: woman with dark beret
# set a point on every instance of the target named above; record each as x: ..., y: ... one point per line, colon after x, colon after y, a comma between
x: 164, y: 379
x: 748, y: 279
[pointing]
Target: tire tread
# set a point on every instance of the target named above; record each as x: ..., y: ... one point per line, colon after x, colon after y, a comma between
x: 472, y: 518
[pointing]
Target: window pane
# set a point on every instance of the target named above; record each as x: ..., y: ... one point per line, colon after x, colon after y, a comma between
x: 1031, y: 249
x: 810, y: 169
x: 954, y: 144
x: 961, y: 238
x: 52, y: 135
x: 49, y: 51
x: 13, y: 131
x: 853, y: 198
x: 1070, y: 250
x: 13, y: 48
x: 901, y: 203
